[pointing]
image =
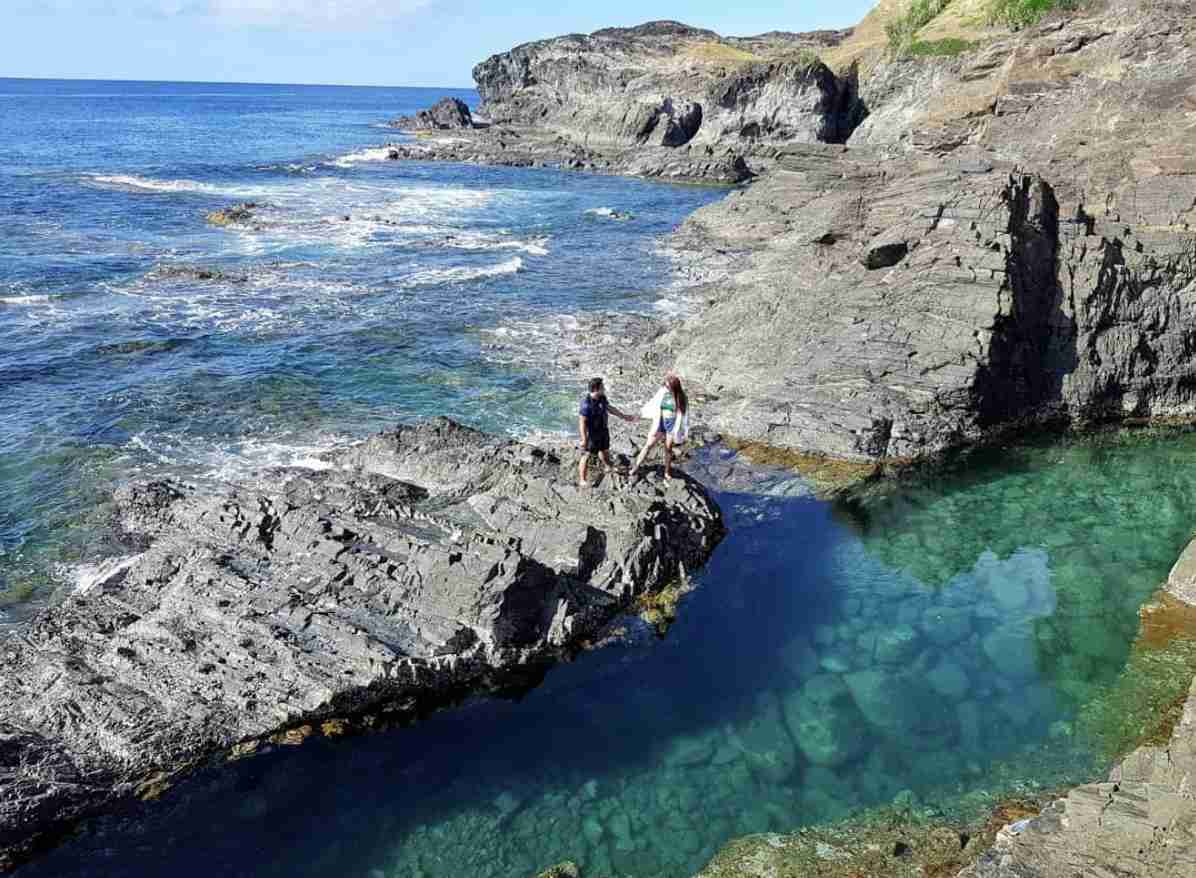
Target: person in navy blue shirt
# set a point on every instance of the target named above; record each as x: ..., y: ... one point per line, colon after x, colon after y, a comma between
x: 594, y: 429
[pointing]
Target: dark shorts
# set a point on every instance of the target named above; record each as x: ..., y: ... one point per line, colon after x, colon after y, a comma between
x: 598, y: 442
x: 666, y: 426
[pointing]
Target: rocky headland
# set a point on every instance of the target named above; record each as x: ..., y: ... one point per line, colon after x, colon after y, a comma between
x: 425, y: 565
x: 660, y: 100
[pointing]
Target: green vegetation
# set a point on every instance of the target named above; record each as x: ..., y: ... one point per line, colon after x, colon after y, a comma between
x: 920, y: 13
x: 1023, y: 13
x: 948, y: 47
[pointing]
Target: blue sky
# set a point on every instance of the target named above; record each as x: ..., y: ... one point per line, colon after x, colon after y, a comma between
x: 357, y: 42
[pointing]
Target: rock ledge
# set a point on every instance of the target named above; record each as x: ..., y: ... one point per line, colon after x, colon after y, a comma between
x: 426, y: 564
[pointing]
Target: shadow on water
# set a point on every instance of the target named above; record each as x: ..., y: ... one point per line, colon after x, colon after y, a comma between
x: 935, y: 645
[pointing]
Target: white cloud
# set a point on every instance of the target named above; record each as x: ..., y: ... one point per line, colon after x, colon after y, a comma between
x: 278, y: 13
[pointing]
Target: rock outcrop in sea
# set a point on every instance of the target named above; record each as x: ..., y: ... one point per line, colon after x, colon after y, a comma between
x: 427, y: 564
x: 446, y: 114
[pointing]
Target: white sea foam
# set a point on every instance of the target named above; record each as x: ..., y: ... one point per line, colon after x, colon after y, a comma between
x: 23, y: 300
x: 87, y: 576
x: 243, y: 461
x: 463, y: 274
x: 481, y: 241
x: 371, y: 154
x: 609, y: 213
x: 146, y: 184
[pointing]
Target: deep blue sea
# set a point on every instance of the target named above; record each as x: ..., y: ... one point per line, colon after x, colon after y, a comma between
x: 136, y: 336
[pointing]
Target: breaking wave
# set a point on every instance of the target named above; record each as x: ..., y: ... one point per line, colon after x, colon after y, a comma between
x: 147, y: 184
x: 463, y: 274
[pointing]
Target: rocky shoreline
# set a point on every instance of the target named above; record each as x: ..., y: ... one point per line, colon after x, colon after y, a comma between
x: 933, y: 252
x: 425, y: 565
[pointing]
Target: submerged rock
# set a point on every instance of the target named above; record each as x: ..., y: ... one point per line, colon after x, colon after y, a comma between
x: 824, y: 721
x: 425, y: 564
x: 567, y: 869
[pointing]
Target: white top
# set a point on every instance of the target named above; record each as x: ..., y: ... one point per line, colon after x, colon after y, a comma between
x: 651, y: 410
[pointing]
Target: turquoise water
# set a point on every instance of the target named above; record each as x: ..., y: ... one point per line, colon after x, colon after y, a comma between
x: 933, y: 647
x: 137, y: 338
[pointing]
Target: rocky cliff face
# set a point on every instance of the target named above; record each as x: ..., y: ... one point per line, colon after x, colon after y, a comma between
x: 895, y: 308
x: 426, y: 564
x: 1009, y: 237
x: 666, y: 84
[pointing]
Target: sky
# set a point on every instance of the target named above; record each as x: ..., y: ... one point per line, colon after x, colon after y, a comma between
x: 350, y: 42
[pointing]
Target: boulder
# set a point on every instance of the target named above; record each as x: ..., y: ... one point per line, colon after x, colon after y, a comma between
x: 426, y: 563
x: 764, y: 741
x: 447, y: 114
x: 824, y: 721
x: 902, y: 707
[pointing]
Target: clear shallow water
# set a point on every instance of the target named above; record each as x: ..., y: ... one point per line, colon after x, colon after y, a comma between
x: 937, y: 646
x: 137, y: 337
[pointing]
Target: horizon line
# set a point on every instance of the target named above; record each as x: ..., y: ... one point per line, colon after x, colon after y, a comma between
x: 222, y: 82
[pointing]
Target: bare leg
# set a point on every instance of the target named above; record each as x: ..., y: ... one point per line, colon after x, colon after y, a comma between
x: 582, y: 469
x: 668, y: 457
x: 651, y: 440
x: 607, y: 465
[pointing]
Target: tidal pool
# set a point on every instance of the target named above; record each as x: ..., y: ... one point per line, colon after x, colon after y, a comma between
x: 935, y: 646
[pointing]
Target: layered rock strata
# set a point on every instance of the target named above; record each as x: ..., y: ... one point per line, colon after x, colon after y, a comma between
x: 1008, y: 238
x: 659, y: 100
x: 873, y: 308
x: 424, y: 565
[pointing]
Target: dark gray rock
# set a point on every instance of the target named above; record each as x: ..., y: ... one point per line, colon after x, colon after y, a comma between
x: 823, y: 331
x: 669, y: 83
x: 661, y: 100
x: 447, y: 114
x: 427, y: 563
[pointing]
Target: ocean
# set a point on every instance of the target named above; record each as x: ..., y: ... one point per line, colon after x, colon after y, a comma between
x: 137, y: 338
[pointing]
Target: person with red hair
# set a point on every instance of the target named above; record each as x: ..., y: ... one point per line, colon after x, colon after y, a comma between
x: 669, y: 411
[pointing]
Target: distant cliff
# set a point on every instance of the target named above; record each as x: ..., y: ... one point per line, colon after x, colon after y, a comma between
x: 668, y: 84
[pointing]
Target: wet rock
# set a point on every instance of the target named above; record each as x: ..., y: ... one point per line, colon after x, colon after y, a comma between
x: 447, y: 114
x: 230, y: 216
x: 901, y: 706
x: 799, y: 657
x: 1181, y: 582
x: 567, y: 869
x: 426, y: 563
x: 689, y: 750
x: 764, y: 741
x: 592, y: 829
x: 1137, y: 823
x: 948, y: 679
x: 897, y: 646
x: 1011, y: 650
x: 946, y: 625
x: 824, y: 721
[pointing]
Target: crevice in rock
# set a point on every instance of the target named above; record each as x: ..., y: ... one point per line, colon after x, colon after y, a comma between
x: 1034, y: 338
